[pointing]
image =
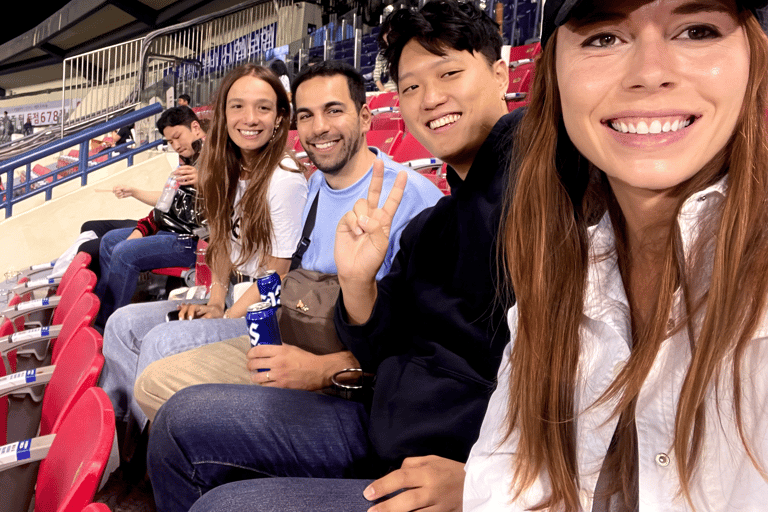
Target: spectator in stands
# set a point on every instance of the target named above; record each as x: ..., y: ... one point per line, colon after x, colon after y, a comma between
x: 254, y: 196
x: 428, y: 329
x: 281, y: 70
x: 637, y: 378
x: 313, y: 60
x: 182, y: 129
x: 126, y: 252
x: 28, y: 126
x: 183, y: 100
x: 380, y: 75
x: 330, y: 105
x: 6, y: 127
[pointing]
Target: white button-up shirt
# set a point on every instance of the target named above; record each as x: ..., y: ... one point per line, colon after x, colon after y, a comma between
x: 725, y: 480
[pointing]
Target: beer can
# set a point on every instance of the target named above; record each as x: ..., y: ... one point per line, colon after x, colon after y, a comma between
x: 269, y: 287
x: 262, y: 324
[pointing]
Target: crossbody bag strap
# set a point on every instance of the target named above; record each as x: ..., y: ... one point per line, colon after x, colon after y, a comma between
x: 309, y: 225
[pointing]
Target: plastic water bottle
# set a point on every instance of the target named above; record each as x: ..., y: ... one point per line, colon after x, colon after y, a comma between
x: 169, y: 190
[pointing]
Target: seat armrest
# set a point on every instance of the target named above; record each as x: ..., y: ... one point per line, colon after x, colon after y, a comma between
x: 21, y: 339
x: 24, y: 452
x: 37, y: 284
x: 23, y: 382
x: 32, y: 306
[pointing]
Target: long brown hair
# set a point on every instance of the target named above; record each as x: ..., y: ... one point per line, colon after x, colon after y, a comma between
x: 544, y: 238
x: 220, y: 171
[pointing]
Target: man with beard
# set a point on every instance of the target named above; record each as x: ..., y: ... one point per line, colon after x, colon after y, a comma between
x: 332, y: 119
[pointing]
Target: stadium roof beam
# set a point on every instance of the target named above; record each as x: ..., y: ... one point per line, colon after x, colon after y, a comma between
x: 53, y: 51
x: 141, y: 12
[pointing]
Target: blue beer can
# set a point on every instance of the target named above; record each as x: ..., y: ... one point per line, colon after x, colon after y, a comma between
x: 269, y: 287
x: 262, y: 324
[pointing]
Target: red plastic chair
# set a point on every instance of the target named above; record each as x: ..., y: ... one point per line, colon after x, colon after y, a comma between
x: 388, y: 120
x: 293, y: 140
x: 386, y: 140
x: 97, y: 507
x: 78, y: 370
x: 384, y: 99
x: 81, y: 260
x: 519, y: 55
x: 520, y: 80
x: 74, y: 458
x: 81, y: 315
x: 83, y: 282
x: 410, y: 149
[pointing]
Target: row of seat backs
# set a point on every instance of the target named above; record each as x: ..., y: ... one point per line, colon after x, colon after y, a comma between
x: 78, y: 413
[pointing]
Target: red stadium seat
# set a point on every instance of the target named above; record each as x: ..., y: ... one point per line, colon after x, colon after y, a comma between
x: 384, y: 99
x: 97, y: 507
x: 389, y: 119
x: 519, y: 55
x: 73, y: 458
x: 520, y: 80
x: 81, y: 260
x: 410, y: 149
x: 386, y: 140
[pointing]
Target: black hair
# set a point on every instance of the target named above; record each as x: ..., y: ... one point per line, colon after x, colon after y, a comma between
x: 313, y: 60
x: 279, y: 67
x: 439, y: 26
x: 185, y: 97
x: 333, y: 68
x: 176, y: 116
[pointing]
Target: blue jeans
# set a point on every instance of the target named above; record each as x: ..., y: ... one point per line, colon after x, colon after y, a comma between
x: 286, y: 495
x: 138, y: 335
x: 212, y: 434
x: 122, y: 261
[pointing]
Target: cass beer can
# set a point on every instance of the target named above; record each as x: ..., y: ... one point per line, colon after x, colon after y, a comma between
x: 262, y: 324
x: 269, y: 287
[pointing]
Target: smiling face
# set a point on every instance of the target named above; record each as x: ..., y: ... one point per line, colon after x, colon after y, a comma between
x: 251, y: 112
x: 181, y: 138
x: 451, y: 102
x: 330, y: 128
x: 651, y: 91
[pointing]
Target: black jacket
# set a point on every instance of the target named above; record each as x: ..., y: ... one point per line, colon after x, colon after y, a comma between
x: 436, y: 334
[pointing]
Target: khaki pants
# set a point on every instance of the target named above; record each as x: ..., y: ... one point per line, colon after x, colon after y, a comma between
x: 223, y: 362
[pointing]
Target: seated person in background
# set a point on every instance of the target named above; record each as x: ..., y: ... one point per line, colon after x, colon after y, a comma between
x: 183, y: 131
x: 183, y: 100
x: 254, y: 195
x: 330, y: 109
x: 637, y: 374
x: 429, y: 328
x: 126, y: 252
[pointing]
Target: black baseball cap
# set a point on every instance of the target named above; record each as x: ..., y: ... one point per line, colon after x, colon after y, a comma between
x: 557, y: 12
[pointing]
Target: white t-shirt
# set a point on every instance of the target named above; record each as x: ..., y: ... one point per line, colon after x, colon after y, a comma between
x: 287, y: 196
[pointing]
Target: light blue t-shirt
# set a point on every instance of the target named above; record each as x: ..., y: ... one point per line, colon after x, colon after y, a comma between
x: 419, y: 193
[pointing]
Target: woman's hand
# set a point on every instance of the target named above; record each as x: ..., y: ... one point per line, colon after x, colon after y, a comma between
x: 192, y: 311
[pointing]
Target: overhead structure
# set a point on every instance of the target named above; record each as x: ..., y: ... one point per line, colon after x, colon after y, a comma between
x: 83, y: 25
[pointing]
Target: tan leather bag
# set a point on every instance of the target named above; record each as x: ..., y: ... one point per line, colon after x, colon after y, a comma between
x: 308, y: 299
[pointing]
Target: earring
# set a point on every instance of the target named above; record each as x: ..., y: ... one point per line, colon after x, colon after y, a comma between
x: 274, y: 131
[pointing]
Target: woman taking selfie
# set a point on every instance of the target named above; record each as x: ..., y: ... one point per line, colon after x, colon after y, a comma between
x: 253, y: 195
x: 637, y: 375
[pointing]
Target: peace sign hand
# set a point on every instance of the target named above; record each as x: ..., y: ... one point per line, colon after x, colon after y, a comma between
x: 362, y: 236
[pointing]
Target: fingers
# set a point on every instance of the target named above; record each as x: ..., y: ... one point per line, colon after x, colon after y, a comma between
x: 188, y: 311
x: 388, y: 484
x: 377, y: 180
x: 396, y: 194
x: 349, y: 223
x: 406, y: 501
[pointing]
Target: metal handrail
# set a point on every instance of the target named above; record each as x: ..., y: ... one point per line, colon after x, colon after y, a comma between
x: 84, y: 165
x: 149, y: 38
